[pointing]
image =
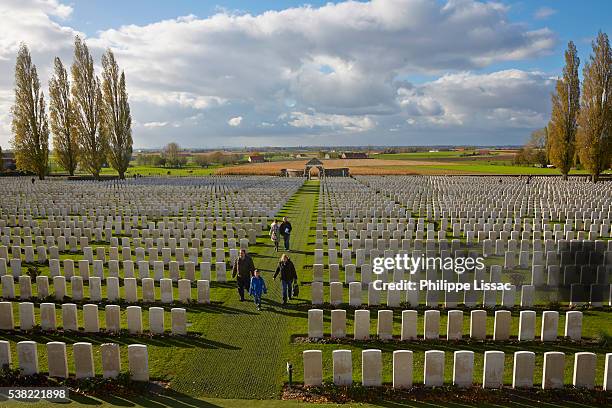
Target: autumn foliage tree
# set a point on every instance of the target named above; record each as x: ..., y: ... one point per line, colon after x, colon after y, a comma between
x: 87, y: 105
x: 565, y: 108
x: 65, y: 145
x: 594, y: 138
x: 30, y: 126
x: 116, y: 118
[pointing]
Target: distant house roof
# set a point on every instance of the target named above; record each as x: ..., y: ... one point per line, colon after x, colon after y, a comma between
x: 256, y: 159
x: 354, y: 155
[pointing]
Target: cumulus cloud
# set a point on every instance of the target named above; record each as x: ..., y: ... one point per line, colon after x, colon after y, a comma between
x: 235, y: 121
x: 339, y: 122
x: 511, y: 98
x: 305, y: 70
x: 544, y: 12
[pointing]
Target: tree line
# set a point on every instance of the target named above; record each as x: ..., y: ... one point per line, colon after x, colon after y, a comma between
x: 173, y: 156
x: 580, y: 128
x: 89, y: 118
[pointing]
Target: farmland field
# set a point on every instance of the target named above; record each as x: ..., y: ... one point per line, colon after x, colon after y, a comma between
x: 403, y: 164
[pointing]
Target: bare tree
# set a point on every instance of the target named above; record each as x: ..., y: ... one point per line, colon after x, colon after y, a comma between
x: 172, y: 154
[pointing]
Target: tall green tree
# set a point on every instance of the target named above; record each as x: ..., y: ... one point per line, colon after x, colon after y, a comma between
x: 1, y: 160
x: 65, y: 146
x: 116, y: 118
x: 565, y: 108
x: 30, y: 125
x: 594, y: 137
x: 87, y: 108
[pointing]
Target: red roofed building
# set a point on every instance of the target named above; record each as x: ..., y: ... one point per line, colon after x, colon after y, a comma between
x: 257, y: 159
x: 354, y: 155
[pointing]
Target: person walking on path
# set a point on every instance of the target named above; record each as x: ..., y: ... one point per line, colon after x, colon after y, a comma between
x: 257, y: 288
x: 288, y: 275
x: 243, y: 271
x: 285, y: 231
x: 275, y: 234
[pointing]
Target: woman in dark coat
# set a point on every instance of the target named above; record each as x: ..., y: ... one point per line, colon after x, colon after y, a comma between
x: 288, y: 275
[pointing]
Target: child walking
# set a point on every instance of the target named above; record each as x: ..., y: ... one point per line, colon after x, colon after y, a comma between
x: 258, y: 287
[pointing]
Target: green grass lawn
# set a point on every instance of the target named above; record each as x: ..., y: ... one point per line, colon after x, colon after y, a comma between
x: 239, y: 360
x: 189, y: 170
x: 424, y: 155
x: 501, y: 168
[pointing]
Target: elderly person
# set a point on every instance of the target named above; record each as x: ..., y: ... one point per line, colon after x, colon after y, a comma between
x: 243, y: 271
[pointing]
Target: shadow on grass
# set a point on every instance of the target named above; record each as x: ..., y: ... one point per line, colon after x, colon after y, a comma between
x: 158, y: 399
x: 189, y: 341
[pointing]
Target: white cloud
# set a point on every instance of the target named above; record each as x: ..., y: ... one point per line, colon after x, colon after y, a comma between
x: 342, y: 60
x: 338, y: 122
x: 510, y: 98
x: 544, y: 12
x: 155, y: 124
x: 235, y: 121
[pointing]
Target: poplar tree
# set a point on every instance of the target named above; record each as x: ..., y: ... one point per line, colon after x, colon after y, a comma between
x: 87, y: 108
x: 116, y: 118
x: 30, y: 126
x: 594, y: 137
x: 65, y: 145
x: 565, y: 108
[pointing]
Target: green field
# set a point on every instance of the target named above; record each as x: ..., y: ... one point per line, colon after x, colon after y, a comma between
x: 188, y: 170
x: 487, y: 168
x: 240, y: 353
x: 428, y: 155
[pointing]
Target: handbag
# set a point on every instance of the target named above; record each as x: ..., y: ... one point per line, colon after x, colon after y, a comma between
x: 296, y: 289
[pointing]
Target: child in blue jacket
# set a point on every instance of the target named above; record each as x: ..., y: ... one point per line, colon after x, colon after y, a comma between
x: 258, y: 287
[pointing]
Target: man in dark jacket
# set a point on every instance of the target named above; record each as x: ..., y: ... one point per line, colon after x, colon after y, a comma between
x: 288, y: 275
x: 243, y: 271
x: 285, y: 231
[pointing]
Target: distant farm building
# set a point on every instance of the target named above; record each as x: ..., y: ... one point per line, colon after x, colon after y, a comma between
x: 256, y: 159
x: 354, y: 155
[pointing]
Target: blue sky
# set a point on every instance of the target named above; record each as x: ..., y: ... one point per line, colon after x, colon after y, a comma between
x: 245, y: 73
x: 569, y: 19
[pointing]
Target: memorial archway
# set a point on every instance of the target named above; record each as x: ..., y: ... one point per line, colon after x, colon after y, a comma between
x: 315, y: 164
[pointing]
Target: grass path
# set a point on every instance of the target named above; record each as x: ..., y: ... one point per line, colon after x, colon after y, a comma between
x: 250, y: 364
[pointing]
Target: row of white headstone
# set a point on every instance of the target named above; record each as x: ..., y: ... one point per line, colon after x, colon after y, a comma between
x: 173, y: 272
x: 91, y: 323
x: 148, y: 293
x: 57, y: 360
x: 512, y: 258
x: 454, y: 326
x: 181, y: 238
x: 553, y: 371
x: 202, y: 228
x: 155, y: 197
x: 41, y: 255
x: 394, y: 297
x: 595, y: 294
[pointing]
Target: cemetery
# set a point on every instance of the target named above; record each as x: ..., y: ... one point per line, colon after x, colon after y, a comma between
x: 135, y: 276
x: 377, y: 203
